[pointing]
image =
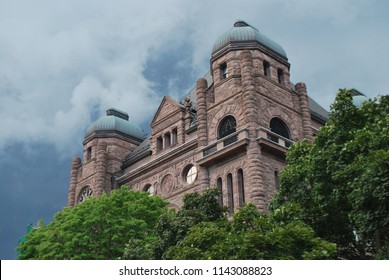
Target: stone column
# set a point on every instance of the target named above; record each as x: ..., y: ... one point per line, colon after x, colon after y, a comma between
x: 306, y: 115
x: 202, y: 131
x: 202, y: 127
x: 188, y: 114
x: 101, y: 167
x: 255, y: 185
x: 76, y: 162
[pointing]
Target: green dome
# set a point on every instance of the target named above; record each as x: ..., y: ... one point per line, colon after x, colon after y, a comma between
x: 115, y: 121
x: 243, y: 34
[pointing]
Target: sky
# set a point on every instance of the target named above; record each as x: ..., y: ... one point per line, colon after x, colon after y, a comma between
x: 63, y: 63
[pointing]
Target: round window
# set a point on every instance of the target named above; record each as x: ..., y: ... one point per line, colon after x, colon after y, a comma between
x: 191, y: 174
x: 84, y: 194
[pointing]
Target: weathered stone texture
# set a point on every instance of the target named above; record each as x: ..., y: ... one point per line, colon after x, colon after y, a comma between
x: 182, y: 137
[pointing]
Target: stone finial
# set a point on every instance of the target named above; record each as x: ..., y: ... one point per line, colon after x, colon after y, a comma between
x: 188, y: 103
x: 202, y: 83
x: 301, y: 88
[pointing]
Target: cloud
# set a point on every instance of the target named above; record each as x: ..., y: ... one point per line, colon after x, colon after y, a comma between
x: 64, y: 63
x: 61, y: 64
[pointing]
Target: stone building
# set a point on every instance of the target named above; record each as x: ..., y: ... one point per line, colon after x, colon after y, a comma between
x: 231, y: 131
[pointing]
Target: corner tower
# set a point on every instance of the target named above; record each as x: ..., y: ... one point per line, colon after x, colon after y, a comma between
x: 253, y: 114
x: 106, y: 143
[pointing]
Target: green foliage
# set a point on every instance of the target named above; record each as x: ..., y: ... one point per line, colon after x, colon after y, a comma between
x: 98, y: 228
x: 205, y: 203
x: 173, y: 226
x: 253, y: 235
x: 341, y: 180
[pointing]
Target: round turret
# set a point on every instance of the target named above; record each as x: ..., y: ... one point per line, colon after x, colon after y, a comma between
x: 244, y: 35
x: 115, y: 121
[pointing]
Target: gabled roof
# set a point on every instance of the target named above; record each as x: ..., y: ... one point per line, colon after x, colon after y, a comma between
x: 165, y: 108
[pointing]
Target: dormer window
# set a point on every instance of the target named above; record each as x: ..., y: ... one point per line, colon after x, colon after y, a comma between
x: 223, y: 71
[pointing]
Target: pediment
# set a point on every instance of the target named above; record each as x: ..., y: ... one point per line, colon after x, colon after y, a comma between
x: 168, y: 108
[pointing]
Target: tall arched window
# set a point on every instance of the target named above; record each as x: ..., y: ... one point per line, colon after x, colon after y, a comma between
x: 230, y: 194
x: 277, y: 179
x: 227, y: 126
x: 241, y: 188
x: 219, y: 185
x: 279, y: 127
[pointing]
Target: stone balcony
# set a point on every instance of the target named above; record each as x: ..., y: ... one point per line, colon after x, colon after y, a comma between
x: 224, y: 147
x: 273, y: 141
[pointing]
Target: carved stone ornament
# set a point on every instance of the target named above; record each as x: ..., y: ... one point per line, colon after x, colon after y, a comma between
x: 167, y: 184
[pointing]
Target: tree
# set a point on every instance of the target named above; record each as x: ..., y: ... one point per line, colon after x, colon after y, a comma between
x: 98, y: 228
x: 173, y: 226
x: 254, y: 235
x: 341, y: 180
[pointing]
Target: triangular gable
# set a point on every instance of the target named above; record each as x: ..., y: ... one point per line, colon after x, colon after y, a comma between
x: 167, y: 108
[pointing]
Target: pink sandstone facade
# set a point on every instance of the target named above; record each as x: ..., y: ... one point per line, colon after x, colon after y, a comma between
x: 231, y: 131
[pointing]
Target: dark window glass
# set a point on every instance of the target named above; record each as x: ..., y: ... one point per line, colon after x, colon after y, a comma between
x: 241, y: 188
x: 279, y: 127
x: 227, y: 126
x: 223, y: 71
x: 266, y: 69
x: 280, y: 74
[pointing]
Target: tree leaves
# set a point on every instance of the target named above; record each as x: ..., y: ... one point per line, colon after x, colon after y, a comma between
x: 341, y: 180
x: 98, y: 228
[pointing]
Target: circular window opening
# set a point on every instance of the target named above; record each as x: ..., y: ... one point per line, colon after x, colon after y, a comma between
x: 84, y: 194
x: 190, y: 174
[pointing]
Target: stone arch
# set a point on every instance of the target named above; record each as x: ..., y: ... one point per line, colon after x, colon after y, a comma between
x: 224, y: 111
x: 148, y: 188
x: 276, y: 112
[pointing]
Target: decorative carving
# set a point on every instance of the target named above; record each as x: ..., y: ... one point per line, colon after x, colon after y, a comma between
x: 167, y: 184
x: 188, y: 104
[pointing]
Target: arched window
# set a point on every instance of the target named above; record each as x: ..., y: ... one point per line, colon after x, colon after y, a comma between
x: 227, y: 126
x: 230, y: 195
x: 150, y: 189
x: 241, y: 188
x: 279, y: 127
x: 276, y: 179
x: 219, y: 185
x: 85, y: 193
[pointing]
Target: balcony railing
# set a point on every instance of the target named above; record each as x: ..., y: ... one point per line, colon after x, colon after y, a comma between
x: 264, y: 133
x: 225, y: 142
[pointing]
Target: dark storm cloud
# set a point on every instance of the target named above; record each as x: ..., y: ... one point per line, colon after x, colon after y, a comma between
x: 62, y: 63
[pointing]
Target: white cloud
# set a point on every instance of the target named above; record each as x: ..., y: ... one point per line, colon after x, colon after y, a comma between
x: 61, y: 61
